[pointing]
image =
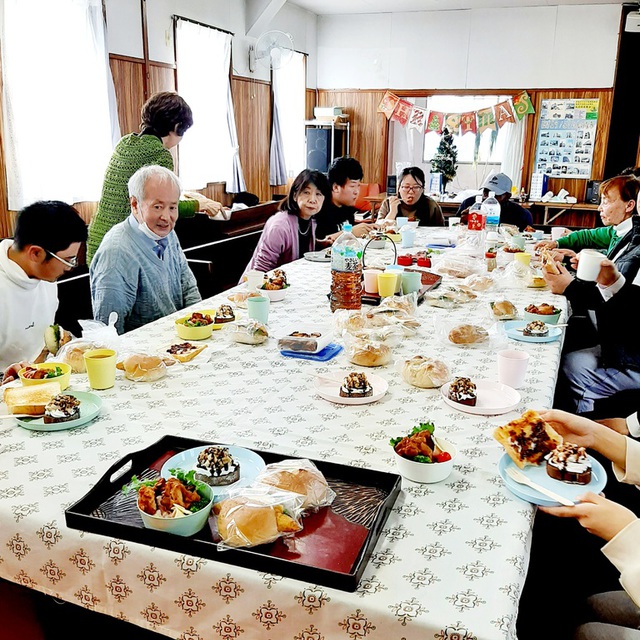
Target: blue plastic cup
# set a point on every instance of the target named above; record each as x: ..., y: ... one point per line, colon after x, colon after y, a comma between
x: 401, y: 221
x: 258, y: 308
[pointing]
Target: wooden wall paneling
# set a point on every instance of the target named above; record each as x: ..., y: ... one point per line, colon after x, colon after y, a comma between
x: 162, y: 77
x: 369, y: 131
x: 128, y: 79
x: 252, y: 107
x: 575, y: 187
x: 309, y: 103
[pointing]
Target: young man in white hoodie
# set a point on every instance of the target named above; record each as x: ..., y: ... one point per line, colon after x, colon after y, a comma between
x: 46, y: 243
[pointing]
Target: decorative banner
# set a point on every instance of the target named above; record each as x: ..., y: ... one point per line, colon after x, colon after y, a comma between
x: 452, y: 122
x: 417, y: 119
x: 503, y: 113
x: 435, y: 122
x: 486, y: 121
x: 468, y: 123
x: 388, y: 104
x: 402, y: 112
x: 522, y: 105
x: 491, y: 118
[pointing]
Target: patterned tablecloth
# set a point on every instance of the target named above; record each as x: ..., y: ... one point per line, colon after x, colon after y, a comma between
x: 450, y: 561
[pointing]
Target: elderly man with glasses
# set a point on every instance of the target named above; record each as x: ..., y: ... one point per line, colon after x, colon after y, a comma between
x: 139, y: 270
x: 411, y: 201
x: 45, y: 246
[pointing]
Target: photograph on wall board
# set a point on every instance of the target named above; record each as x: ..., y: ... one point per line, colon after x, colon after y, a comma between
x: 566, y: 138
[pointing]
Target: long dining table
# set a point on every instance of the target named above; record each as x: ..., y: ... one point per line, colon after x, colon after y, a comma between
x: 450, y: 561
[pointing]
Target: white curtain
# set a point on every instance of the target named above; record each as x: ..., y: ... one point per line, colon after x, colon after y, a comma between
x: 513, y: 158
x: 289, y: 86
x: 57, y: 93
x: 209, y: 149
x: 277, y: 164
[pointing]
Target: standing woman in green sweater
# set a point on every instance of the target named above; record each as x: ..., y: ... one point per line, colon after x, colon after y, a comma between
x: 165, y: 118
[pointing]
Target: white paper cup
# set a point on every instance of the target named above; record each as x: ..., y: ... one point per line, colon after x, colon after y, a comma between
x: 557, y: 232
x: 408, y: 237
x: 371, y: 280
x: 589, y: 261
x: 512, y: 367
x: 254, y: 278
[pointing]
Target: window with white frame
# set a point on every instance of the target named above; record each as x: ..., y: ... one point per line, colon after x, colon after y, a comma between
x: 59, y: 104
x: 466, y: 143
x: 209, y: 149
x: 289, y: 86
x: 500, y: 150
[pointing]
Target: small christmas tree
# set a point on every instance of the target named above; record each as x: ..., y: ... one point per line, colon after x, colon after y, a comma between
x: 445, y: 161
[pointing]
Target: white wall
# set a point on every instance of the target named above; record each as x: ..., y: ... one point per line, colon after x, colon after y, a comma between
x: 124, y: 30
x: 571, y: 46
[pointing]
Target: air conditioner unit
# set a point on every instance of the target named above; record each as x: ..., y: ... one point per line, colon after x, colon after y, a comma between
x: 632, y: 24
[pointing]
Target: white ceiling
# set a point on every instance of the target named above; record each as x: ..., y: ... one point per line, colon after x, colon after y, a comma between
x: 332, y: 7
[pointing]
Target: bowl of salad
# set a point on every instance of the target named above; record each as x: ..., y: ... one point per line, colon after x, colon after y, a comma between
x: 46, y: 372
x: 179, y: 504
x: 421, y: 457
x: 198, y: 326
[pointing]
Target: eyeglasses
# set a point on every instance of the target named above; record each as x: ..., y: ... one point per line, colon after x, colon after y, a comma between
x: 71, y: 262
x: 412, y: 189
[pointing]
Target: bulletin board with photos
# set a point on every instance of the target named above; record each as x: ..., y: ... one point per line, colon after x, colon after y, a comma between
x: 566, y: 138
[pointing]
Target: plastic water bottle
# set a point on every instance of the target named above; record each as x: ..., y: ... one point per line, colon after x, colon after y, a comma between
x: 346, y: 271
x: 491, y: 208
x: 476, y: 228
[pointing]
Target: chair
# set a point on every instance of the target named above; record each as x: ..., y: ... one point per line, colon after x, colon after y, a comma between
x: 366, y: 190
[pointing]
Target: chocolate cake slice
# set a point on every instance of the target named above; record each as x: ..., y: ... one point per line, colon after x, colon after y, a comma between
x: 463, y: 391
x: 356, y: 385
x: 218, y: 466
x: 569, y: 463
x: 62, y: 408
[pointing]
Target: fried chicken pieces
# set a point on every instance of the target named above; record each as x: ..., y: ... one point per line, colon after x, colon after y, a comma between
x: 164, y: 495
x: 277, y: 281
x: 418, y: 444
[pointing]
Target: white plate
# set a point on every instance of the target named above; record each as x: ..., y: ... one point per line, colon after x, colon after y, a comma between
x: 538, y: 474
x: 329, y: 389
x: 317, y: 256
x: 511, y: 326
x: 493, y: 398
x: 90, y: 405
x: 251, y: 464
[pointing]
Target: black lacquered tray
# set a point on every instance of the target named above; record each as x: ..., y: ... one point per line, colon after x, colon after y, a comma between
x: 337, y: 541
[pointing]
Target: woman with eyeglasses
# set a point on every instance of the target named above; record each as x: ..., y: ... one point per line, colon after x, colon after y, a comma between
x: 411, y: 201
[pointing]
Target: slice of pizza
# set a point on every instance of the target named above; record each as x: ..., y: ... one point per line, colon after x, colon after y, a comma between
x: 185, y: 351
x: 528, y: 439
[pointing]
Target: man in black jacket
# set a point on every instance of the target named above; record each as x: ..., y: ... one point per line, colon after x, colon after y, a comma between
x: 613, y: 364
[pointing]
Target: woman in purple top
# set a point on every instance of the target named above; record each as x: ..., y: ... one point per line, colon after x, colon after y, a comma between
x: 290, y: 233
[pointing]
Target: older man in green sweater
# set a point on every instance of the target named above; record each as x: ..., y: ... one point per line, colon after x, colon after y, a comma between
x: 140, y: 270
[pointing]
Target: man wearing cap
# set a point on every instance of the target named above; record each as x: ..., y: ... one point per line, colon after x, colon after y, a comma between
x: 510, y: 212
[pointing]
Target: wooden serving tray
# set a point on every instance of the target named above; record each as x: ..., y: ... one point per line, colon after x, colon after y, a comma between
x: 338, y: 540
